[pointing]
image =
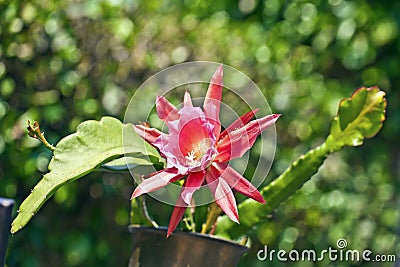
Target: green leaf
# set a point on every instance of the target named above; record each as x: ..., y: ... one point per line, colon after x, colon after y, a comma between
x: 126, y: 163
x: 94, y: 144
x: 360, y: 116
x: 137, y: 165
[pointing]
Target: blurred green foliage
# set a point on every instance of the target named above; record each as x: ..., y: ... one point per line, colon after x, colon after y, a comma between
x: 62, y: 62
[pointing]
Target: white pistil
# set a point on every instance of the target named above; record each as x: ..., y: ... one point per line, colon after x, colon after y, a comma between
x: 191, y: 157
x: 195, y: 156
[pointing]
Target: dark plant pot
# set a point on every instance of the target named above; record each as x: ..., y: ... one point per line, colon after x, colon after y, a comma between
x: 6, y: 206
x: 152, y: 248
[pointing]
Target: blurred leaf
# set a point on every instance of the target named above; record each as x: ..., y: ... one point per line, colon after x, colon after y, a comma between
x: 94, y: 144
x: 360, y: 116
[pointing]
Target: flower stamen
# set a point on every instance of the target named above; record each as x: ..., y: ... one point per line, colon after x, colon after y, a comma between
x: 195, y: 156
x: 191, y: 157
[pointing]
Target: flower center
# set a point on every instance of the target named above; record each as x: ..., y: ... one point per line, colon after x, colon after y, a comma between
x: 195, y: 155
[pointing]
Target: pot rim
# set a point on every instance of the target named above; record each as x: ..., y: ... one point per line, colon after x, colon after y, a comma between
x: 163, y: 229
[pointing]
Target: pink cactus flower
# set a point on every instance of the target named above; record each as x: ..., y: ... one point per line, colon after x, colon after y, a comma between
x: 197, y: 150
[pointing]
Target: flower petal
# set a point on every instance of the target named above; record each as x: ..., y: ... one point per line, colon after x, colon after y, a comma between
x: 237, y: 142
x: 222, y: 193
x: 239, y: 122
x: 212, y: 100
x: 187, y: 100
x: 165, y: 110
x: 192, y: 133
x: 190, y: 143
x: 156, y: 181
x: 176, y: 216
x: 238, y: 182
x: 148, y: 134
x: 192, y: 183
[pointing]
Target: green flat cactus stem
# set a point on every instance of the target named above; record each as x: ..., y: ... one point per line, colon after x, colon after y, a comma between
x: 251, y: 212
x: 359, y: 116
x: 294, y: 177
x: 94, y: 144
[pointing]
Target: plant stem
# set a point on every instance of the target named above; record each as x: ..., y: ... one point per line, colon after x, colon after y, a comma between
x: 189, y: 221
x: 212, y: 217
x: 139, y: 213
x: 34, y: 132
x: 276, y: 192
x: 146, y: 212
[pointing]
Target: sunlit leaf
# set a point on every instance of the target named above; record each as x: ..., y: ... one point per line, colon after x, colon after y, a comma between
x: 360, y: 116
x: 136, y: 164
x: 94, y: 144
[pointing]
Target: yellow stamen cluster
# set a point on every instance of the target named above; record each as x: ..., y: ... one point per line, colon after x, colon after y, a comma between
x: 194, y: 156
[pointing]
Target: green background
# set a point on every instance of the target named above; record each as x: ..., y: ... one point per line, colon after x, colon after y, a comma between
x: 63, y: 62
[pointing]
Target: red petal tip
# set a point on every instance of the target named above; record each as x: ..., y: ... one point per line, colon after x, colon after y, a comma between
x: 217, y: 76
x: 220, y: 67
x: 136, y: 193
